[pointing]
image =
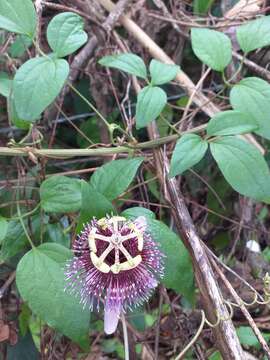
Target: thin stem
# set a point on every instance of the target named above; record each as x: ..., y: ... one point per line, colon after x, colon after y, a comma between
x: 102, y: 151
x: 125, y: 334
x: 24, y: 227
x: 90, y: 105
x: 226, y: 82
x: 111, y: 127
x: 172, y: 127
x: 192, y: 342
x: 239, y: 68
x: 42, y: 53
x: 26, y: 214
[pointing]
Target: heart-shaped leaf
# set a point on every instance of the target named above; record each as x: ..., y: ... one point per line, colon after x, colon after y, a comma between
x: 130, y: 63
x: 189, y: 150
x: 36, y: 84
x: 243, y: 166
x: 212, y: 47
x: 252, y: 97
x: 41, y: 282
x: 61, y: 194
x: 65, y: 33
x: 18, y: 16
x: 231, y: 122
x: 150, y: 103
x: 162, y: 73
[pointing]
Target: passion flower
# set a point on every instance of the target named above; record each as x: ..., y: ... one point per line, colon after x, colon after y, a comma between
x: 117, y: 263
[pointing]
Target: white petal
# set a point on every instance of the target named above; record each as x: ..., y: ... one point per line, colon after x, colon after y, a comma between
x: 252, y: 245
x: 141, y: 223
x: 111, y: 318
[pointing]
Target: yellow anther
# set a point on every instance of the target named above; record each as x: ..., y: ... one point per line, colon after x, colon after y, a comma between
x: 99, y: 264
x: 128, y: 265
x: 92, y: 242
x: 103, y: 223
x: 140, y: 240
x: 116, y: 268
x: 138, y: 234
x: 132, y: 226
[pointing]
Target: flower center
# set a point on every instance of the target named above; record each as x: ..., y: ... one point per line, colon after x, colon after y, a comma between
x: 115, y: 240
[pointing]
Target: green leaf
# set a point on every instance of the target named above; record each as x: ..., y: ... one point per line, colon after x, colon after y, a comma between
x: 201, y: 7
x: 24, y: 319
x: 113, y: 178
x: 39, y: 76
x: 252, y: 96
x: 130, y: 63
x: 231, y: 122
x: 254, y: 34
x: 5, y: 84
x: 151, y: 101
x: 215, y: 356
x: 24, y: 349
x: 163, y: 126
x: 18, y: 16
x: 243, y: 166
x: 56, y: 252
x: 212, y: 47
x: 61, y: 194
x: 55, y: 233
x: 3, y: 228
x: 178, y: 267
x: 247, y: 336
x: 94, y: 204
x: 15, y: 119
x: 15, y: 240
x: 65, y: 33
x: 189, y: 150
x: 91, y: 129
x: 162, y: 73
x: 41, y: 282
x: 19, y: 46
x: 134, y: 212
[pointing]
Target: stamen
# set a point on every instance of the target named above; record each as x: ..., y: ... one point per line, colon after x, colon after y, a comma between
x: 106, y: 253
x: 91, y: 240
x: 128, y: 237
x: 103, y: 267
x: 127, y: 265
x: 115, y: 242
x: 103, y: 223
x: 138, y: 234
x: 102, y: 237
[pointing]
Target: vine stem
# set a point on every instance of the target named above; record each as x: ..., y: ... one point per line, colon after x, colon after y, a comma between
x: 195, y: 338
x: 24, y: 227
x: 26, y: 214
x: 90, y: 105
x: 125, y: 334
x: 102, y: 151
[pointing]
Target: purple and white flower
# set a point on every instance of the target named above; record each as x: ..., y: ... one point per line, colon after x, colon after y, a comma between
x: 116, y: 263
